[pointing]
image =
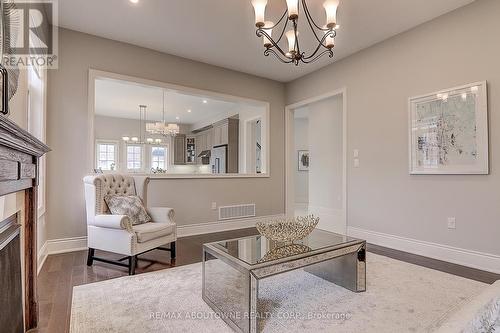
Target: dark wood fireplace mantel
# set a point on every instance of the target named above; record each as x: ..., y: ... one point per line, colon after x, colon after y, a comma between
x: 19, y: 159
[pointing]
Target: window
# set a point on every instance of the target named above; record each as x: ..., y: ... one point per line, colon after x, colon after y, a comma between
x: 159, y: 158
x: 107, y: 156
x: 134, y: 157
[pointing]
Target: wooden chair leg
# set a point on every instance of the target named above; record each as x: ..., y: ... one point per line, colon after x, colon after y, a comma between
x: 132, y: 263
x: 172, y: 250
x: 90, y: 257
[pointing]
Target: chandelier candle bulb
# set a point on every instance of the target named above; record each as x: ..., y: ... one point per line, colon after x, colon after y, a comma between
x: 259, y: 7
x: 290, y: 36
x: 125, y: 138
x: 293, y: 9
x: 331, y: 13
x: 135, y: 139
x: 269, y: 31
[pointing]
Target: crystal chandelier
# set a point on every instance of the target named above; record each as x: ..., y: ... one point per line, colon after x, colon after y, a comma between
x: 161, y: 127
x: 325, y: 35
x: 141, y: 139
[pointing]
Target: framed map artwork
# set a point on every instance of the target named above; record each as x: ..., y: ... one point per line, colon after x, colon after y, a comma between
x: 449, y: 131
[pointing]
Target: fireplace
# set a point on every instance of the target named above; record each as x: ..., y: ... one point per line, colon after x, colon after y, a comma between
x: 11, y: 290
x: 20, y: 154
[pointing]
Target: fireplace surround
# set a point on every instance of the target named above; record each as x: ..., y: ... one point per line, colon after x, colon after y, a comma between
x: 20, y: 153
x: 11, y: 291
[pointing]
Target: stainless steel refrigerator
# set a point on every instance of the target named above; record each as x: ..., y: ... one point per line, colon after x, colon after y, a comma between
x: 218, y: 159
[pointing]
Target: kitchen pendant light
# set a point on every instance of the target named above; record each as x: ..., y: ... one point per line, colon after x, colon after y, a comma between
x: 141, y: 139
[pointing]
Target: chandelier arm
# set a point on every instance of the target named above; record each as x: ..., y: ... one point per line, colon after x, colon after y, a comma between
x: 312, y: 54
x: 329, y: 52
x: 296, y: 29
x: 284, y: 29
x: 271, y: 51
x: 319, y: 46
x: 296, y: 46
x: 273, y: 43
x: 279, y: 21
x: 311, y: 23
x: 260, y: 31
x: 309, y: 16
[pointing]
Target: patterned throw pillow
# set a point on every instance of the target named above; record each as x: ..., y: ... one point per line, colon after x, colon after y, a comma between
x: 130, y: 205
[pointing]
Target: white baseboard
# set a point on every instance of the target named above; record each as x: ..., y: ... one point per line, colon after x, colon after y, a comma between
x: 55, y: 246
x: 207, y: 228
x: 474, y: 259
x: 63, y: 245
x: 301, y: 203
x: 42, y: 256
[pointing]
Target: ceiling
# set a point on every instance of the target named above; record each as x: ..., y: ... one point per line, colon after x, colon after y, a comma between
x: 121, y: 99
x: 222, y: 32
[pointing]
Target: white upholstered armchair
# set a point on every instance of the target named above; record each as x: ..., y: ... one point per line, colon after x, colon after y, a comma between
x: 115, y: 233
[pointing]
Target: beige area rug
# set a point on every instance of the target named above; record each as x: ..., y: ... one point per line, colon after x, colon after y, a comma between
x: 400, y: 297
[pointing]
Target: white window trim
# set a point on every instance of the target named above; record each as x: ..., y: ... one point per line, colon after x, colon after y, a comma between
x: 143, y: 158
x: 42, y: 162
x: 167, y: 157
x: 116, y: 143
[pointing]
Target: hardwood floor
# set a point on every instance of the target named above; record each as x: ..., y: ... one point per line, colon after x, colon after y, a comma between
x: 62, y: 272
x: 439, y: 265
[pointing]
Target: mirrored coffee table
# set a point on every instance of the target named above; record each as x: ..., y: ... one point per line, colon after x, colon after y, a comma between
x: 232, y: 270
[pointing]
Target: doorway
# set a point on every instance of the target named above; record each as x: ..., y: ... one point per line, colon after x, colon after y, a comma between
x: 316, y: 160
x: 253, y: 142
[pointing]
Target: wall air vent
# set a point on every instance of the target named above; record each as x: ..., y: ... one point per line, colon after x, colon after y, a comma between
x: 236, y: 212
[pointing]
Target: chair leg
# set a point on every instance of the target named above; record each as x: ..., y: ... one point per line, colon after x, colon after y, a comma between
x: 132, y: 263
x: 172, y: 250
x: 90, y: 257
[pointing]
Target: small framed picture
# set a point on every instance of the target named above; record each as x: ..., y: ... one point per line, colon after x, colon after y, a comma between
x: 303, y: 160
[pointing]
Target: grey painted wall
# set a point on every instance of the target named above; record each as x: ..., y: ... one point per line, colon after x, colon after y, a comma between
x: 67, y: 132
x: 458, y: 48
x: 326, y: 152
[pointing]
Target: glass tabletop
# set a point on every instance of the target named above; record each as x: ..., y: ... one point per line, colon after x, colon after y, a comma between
x: 258, y: 249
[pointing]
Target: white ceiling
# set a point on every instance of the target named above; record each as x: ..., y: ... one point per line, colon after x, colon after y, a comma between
x: 121, y: 99
x: 222, y: 32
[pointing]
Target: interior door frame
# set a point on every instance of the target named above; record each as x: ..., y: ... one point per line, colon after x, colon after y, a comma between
x: 290, y: 162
